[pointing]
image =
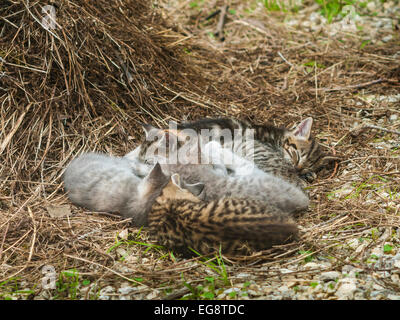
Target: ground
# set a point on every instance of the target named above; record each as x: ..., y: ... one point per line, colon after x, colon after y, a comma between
x: 89, y: 82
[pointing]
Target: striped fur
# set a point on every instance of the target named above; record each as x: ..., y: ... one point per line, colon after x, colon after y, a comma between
x: 236, y: 226
x: 279, y: 151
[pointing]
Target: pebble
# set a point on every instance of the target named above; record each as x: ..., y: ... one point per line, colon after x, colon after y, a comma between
x: 126, y: 290
x: 311, y: 265
x: 329, y: 275
x: 347, y: 288
x: 154, y: 294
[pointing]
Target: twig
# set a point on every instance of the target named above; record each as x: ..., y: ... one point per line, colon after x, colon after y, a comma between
x: 107, y: 268
x: 370, y: 126
x: 212, y: 15
x: 284, y: 59
x: 177, y: 294
x: 355, y: 86
x: 34, y: 234
x: 221, y: 23
x: 14, y: 129
x: 358, y: 129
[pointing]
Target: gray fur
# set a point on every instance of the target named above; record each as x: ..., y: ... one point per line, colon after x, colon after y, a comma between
x: 258, y: 186
x: 103, y: 183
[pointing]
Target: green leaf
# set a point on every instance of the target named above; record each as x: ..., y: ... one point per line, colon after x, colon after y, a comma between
x: 387, y: 248
x: 208, y: 295
x: 364, y: 43
x: 86, y: 282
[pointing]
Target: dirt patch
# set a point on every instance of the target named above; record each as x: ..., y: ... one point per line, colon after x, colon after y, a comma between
x: 109, y: 65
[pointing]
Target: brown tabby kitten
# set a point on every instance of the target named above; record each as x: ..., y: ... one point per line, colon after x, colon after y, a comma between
x: 281, y: 151
x: 180, y: 221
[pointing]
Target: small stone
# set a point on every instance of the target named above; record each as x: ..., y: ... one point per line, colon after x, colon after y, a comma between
x: 284, y: 270
x: 311, y: 265
x: 152, y: 295
x: 123, y: 234
x: 371, y: 6
x: 395, y: 278
x: 387, y: 38
x: 243, y: 275
x: 396, y: 261
x: 353, y: 243
x: 254, y: 292
x: 329, y: 275
x: 126, y: 290
x: 121, y: 251
x: 106, y: 290
x: 347, y: 288
x: 377, y: 287
x: 393, y: 117
x: 221, y: 296
x: 377, y: 295
x: 330, y: 287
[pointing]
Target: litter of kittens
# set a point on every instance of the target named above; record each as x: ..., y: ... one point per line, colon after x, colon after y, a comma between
x: 87, y: 83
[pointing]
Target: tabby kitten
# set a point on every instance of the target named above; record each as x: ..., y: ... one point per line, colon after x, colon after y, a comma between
x: 286, y: 152
x: 237, y: 226
x: 290, y: 154
x: 110, y: 184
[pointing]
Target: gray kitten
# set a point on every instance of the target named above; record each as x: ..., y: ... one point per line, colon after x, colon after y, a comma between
x: 246, y: 181
x: 104, y: 183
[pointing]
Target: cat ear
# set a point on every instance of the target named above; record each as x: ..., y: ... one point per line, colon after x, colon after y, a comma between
x: 303, y: 130
x: 153, y: 181
x: 176, y: 180
x: 156, y: 175
x: 196, y: 188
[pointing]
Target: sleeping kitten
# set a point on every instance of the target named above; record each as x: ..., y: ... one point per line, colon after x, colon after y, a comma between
x: 290, y: 154
x: 236, y: 226
x: 175, y: 213
x: 103, y: 183
x: 279, y: 145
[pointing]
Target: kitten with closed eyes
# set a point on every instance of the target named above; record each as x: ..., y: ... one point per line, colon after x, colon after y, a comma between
x: 292, y: 154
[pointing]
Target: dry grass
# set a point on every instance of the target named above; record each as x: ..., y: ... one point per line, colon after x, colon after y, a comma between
x: 110, y: 65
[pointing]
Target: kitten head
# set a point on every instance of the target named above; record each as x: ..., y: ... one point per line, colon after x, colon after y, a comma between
x: 304, y: 150
x: 158, y: 183
x: 177, y: 146
x: 177, y: 189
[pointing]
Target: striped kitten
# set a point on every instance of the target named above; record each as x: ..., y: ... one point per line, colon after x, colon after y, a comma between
x: 285, y: 152
x: 237, y: 226
x: 110, y: 184
x: 291, y: 154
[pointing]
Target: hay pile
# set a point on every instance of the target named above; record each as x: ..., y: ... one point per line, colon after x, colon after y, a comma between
x: 109, y: 65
